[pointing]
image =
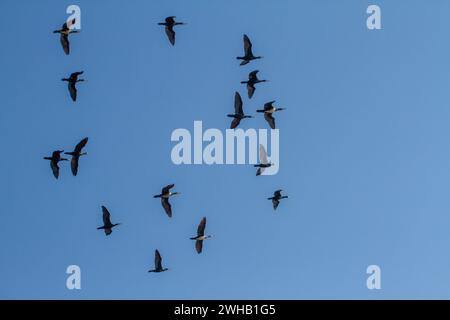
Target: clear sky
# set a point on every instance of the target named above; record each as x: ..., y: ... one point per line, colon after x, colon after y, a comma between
x: 365, y: 155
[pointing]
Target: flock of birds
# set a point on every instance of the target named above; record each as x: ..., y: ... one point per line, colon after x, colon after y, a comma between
x: 166, y: 193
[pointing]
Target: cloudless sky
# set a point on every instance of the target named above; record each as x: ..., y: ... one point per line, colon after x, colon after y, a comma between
x: 364, y: 153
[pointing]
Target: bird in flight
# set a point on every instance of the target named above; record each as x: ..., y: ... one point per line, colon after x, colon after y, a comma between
x: 76, y: 154
x: 276, y: 199
x: 248, y: 54
x: 238, y: 111
x: 158, y: 263
x: 107, y: 225
x: 54, y: 159
x: 268, y: 111
x: 169, y: 24
x: 263, y: 162
x: 165, y: 195
x: 64, y: 35
x: 252, y: 80
x: 72, y: 81
x: 200, y: 236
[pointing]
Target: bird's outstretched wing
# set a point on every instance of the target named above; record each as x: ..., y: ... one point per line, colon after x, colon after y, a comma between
x: 235, y: 123
x: 259, y: 171
x: 64, y: 39
x: 73, y: 91
x: 238, y: 104
x: 170, y: 34
x: 167, y: 207
x: 106, y: 216
x: 81, y: 145
x: 167, y: 188
x: 55, y: 168
x: 74, y: 165
x: 158, y: 260
x: 199, y: 246
x: 269, y: 105
x: 263, y: 155
x: 170, y: 20
x: 252, y: 76
x: 275, y: 203
x: 250, y: 90
x: 201, y: 227
x: 247, y: 46
x: 270, y: 120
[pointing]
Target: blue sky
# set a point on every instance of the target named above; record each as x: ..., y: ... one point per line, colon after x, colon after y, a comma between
x: 364, y: 150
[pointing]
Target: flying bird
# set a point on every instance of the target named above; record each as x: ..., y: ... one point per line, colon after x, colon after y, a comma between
x: 276, y: 199
x: 169, y: 24
x: 107, y: 225
x: 200, y: 236
x: 248, y: 54
x: 263, y: 162
x: 238, y: 111
x: 268, y: 111
x: 158, y: 263
x: 54, y: 159
x: 252, y: 80
x: 64, y: 36
x: 72, y: 81
x: 165, y: 195
x: 76, y: 154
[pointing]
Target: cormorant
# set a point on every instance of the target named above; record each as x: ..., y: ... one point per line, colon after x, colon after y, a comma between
x: 72, y: 81
x: 76, y: 154
x: 107, y: 225
x: 165, y: 195
x: 248, y: 54
x: 54, y: 159
x: 252, y: 80
x: 268, y: 111
x: 238, y: 111
x: 200, y: 235
x: 169, y: 24
x: 276, y: 198
x: 64, y: 36
x: 158, y: 263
